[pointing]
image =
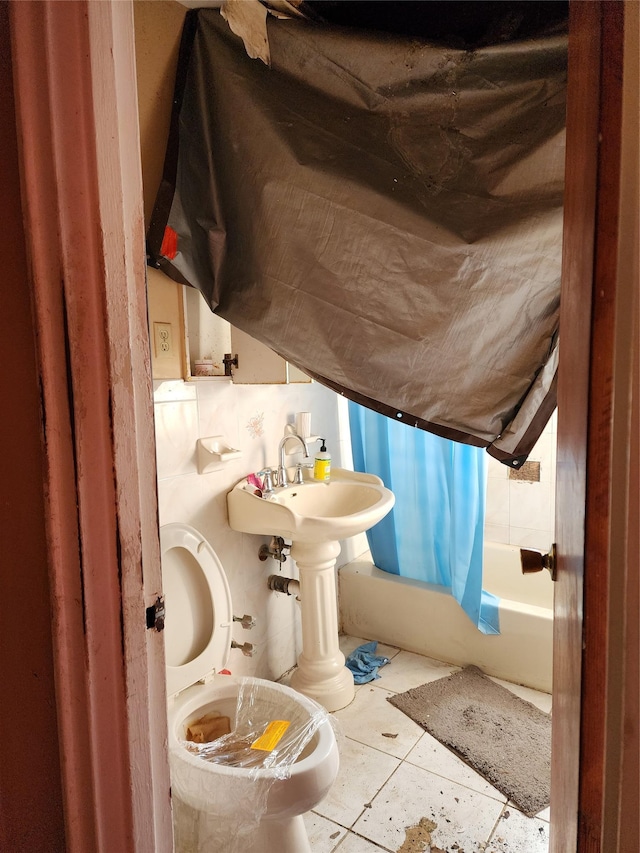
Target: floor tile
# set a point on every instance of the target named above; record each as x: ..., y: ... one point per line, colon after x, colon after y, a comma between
x: 362, y: 773
x: 356, y: 844
x: 544, y: 815
x: 516, y: 833
x: 536, y: 697
x: 408, y: 670
x: 324, y: 835
x: 457, y: 815
x: 377, y: 797
x: 431, y: 755
x: 371, y: 720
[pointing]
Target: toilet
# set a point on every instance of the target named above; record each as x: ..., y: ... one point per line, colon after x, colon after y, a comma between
x: 218, y: 807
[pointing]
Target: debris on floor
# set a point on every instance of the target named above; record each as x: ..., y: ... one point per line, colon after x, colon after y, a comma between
x: 418, y: 838
x: 364, y: 663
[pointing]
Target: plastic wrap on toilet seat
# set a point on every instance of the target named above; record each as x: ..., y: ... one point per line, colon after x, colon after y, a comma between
x: 261, y: 739
x: 269, y: 733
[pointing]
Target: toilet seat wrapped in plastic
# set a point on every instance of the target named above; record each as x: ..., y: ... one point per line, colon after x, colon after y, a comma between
x: 260, y: 738
x: 219, y: 806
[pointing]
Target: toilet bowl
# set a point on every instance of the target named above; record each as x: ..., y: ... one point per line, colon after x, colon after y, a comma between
x: 220, y: 807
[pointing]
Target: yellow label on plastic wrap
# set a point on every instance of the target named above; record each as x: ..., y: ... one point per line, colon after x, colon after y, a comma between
x: 270, y: 738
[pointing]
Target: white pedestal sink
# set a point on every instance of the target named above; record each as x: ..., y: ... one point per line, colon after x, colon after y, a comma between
x: 315, y: 516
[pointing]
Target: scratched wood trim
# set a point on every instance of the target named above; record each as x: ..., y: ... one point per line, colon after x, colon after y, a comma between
x: 82, y: 196
x: 621, y: 824
x: 585, y: 441
x: 573, y: 395
x: 598, y: 567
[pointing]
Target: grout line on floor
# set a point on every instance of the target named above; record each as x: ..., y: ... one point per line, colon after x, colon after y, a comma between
x: 499, y: 797
x: 336, y: 849
x: 496, y: 824
x: 377, y: 749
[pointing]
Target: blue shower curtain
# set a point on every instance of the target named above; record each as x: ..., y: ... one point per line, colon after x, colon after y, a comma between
x: 435, y: 531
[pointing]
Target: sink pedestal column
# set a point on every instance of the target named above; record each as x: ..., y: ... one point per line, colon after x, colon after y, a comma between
x: 321, y: 673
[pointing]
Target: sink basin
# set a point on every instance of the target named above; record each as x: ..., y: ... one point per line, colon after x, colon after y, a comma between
x: 313, y: 511
x: 315, y: 516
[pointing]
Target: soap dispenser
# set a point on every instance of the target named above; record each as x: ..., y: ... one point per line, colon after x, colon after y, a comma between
x: 322, y: 464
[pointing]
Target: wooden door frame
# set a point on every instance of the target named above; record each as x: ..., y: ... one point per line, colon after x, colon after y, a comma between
x: 77, y: 126
x: 596, y: 358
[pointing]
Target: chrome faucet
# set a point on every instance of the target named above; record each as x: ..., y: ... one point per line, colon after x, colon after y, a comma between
x: 283, y: 479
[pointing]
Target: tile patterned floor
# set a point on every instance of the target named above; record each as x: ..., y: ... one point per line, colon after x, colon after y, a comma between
x: 393, y: 775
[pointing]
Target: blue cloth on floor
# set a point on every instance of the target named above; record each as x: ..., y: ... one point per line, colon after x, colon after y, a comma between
x: 364, y: 663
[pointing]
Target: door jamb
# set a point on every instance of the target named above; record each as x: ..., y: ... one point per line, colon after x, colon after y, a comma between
x: 76, y: 116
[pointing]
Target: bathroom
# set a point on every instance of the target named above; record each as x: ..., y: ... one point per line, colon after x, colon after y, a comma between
x: 251, y: 418
x: 43, y: 807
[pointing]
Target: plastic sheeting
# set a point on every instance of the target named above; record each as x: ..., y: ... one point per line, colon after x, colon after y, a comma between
x: 269, y: 733
x: 384, y: 212
x: 260, y: 739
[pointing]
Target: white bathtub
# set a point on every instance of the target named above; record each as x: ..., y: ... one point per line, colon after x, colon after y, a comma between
x: 420, y: 617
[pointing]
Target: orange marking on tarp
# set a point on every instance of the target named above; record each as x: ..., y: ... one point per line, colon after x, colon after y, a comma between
x: 169, y: 248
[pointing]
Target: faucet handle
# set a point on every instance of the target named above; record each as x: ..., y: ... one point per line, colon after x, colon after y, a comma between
x: 267, y: 483
x: 298, y: 478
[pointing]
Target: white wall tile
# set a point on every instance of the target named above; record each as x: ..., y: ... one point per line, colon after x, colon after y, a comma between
x: 496, y: 470
x: 530, y: 505
x: 173, y: 390
x: 352, y: 548
x: 538, y: 540
x: 176, y: 427
x: 497, y: 510
x: 217, y: 414
x: 181, y: 498
x: 497, y: 533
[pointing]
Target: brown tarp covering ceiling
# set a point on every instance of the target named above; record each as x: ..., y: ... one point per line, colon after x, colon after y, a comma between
x: 383, y: 210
